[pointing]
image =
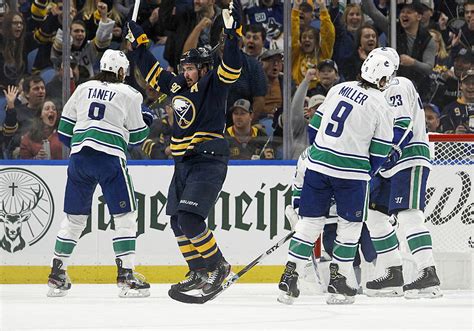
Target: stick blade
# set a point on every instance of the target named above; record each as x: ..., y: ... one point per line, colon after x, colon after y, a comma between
x: 192, y: 299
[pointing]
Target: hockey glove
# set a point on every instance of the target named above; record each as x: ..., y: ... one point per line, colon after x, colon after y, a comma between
x: 136, y: 35
x: 148, y: 115
x: 393, y: 157
x: 232, y: 19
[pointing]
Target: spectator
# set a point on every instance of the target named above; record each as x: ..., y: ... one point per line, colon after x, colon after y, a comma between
x: 347, y: 28
x: 458, y: 117
x: 465, y: 36
x: 308, y: 47
x: 181, y: 24
x: 414, y: 44
x: 328, y: 76
x: 247, y: 141
x: 367, y: 40
x: 254, y: 38
x: 306, y: 15
x: 299, y: 118
x: 432, y: 115
x: 269, y: 14
x: 18, y: 120
x: 272, y: 61
x: 446, y: 89
x: 427, y: 14
x: 84, y: 52
x: 42, y: 141
x: 55, y: 87
x: 93, y: 13
x: 15, y: 46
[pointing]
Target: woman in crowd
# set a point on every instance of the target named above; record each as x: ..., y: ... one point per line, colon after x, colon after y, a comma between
x: 42, y: 142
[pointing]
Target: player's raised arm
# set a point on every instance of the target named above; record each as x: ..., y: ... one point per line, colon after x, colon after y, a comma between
x: 231, y: 66
x: 155, y: 75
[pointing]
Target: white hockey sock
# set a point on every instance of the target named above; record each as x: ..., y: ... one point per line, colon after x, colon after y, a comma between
x: 68, y: 236
x: 345, y: 246
x: 124, y: 239
x: 307, y: 231
x: 418, y: 237
x: 385, y: 241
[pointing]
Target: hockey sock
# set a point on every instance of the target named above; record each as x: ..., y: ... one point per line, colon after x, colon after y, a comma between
x: 202, y: 239
x: 187, y: 249
x: 384, y: 239
x: 124, y: 239
x: 345, y: 245
x: 307, y: 231
x: 418, y: 237
x: 66, y: 240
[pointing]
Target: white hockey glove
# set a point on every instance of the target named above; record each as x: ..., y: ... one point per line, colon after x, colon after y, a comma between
x: 232, y: 19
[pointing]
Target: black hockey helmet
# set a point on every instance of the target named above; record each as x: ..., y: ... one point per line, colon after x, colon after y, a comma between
x: 199, y: 56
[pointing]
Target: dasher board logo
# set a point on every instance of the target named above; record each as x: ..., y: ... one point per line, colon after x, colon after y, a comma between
x: 26, y: 209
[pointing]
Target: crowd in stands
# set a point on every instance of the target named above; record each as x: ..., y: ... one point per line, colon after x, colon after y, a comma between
x: 329, y: 41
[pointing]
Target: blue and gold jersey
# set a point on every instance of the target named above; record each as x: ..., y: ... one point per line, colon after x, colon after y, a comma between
x: 199, y: 110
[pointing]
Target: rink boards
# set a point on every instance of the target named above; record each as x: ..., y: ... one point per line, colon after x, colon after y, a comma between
x: 247, y: 219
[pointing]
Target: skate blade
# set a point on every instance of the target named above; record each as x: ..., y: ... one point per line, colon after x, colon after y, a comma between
x: 285, y: 299
x: 386, y: 292
x: 134, y: 293
x: 339, y: 299
x: 56, y: 292
x: 432, y: 292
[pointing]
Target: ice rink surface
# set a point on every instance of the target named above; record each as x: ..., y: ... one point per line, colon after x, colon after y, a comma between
x: 241, y: 307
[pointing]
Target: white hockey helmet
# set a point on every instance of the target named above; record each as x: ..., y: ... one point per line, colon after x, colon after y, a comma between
x: 113, y: 60
x: 389, y: 53
x: 377, y: 67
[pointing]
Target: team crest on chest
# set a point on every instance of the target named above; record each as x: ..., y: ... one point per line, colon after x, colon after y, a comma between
x: 184, y: 111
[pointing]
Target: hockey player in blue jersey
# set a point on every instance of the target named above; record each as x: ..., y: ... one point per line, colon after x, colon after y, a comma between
x: 98, y: 122
x: 198, y: 146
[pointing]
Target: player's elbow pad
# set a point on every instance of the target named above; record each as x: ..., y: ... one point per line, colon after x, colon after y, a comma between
x: 65, y: 140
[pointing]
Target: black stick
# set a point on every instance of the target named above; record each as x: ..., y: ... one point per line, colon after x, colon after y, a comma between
x: 186, y: 298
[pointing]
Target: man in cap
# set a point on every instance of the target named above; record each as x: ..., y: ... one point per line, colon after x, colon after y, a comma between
x: 458, y: 116
x: 432, y: 115
x: 415, y: 45
x: 246, y: 141
x: 272, y: 61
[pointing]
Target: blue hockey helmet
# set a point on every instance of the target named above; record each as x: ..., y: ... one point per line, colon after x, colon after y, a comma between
x: 199, y: 56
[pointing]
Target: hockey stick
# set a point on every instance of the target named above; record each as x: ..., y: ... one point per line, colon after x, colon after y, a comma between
x: 186, y: 298
x: 135, y: 10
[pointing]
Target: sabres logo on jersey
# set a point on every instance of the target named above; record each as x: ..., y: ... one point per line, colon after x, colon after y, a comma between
x: 184, y: 111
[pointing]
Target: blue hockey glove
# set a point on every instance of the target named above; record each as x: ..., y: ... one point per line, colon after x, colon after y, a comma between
x: 148, y: 115
x: 393, y: 157
x: 232, y: 19
x: 136, y: 35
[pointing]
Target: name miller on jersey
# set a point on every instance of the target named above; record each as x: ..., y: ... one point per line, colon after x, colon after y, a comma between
x: 350, y: 93
x: 97, y: 93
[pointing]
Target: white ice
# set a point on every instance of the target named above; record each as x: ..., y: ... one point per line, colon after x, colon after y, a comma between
x: 241, y: 307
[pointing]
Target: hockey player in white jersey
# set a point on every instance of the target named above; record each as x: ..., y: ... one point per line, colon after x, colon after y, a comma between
x: 100, y: 119
x: 400, y: 189
x: 354, y: 137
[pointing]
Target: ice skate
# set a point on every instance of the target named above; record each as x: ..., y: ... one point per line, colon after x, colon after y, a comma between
x: 195, y: 280
x: 58, y: 280
x: 425, y: 286
x: 216, y: 277
x: 131, y: 284
x: 388, y: 285
x: 289, y: 284
x: 340, y: 292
